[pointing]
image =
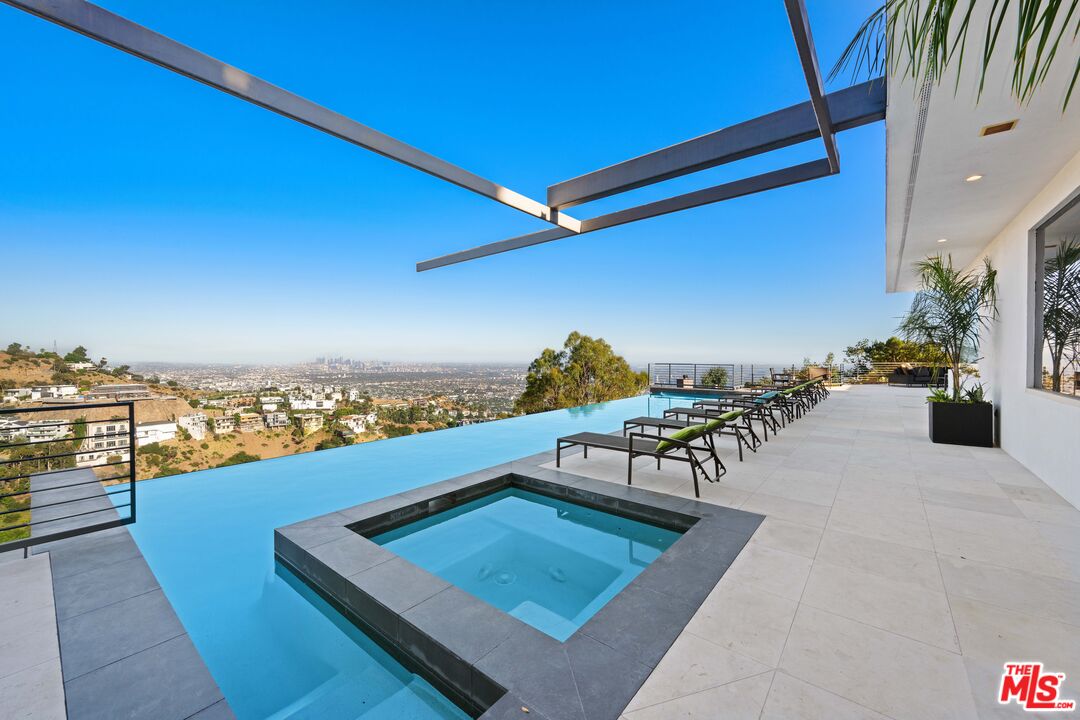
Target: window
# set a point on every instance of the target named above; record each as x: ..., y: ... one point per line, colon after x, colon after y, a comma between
x: 1057, y: 301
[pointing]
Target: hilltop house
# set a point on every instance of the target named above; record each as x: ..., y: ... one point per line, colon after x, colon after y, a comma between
x: 249, y: 422
x: 224, y: 424
x: 119, y: 391
x: 308, y: 422
x: 194, y: 423
x: 155, y: 431
x: 274, y: 420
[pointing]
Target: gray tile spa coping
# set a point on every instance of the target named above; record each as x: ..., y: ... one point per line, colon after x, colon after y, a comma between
x: 490, y: 663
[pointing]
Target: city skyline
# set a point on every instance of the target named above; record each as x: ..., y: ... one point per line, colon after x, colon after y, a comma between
x: 216, y: 232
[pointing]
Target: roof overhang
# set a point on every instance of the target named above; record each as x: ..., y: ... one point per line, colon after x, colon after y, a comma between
x: 933, y: 144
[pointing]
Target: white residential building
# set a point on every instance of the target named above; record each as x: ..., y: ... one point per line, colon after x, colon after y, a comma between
x: 13, y: 395
x: 274, y: 420
x: 224, y: 424
x: 301, y: 403
x: 152, y: 432
x: 104, y: 440
x: 195, y: 424
x: 79, y: 366
x: 54, y: 391
x: 356, y: 423
x: 33, y: 430
x: 119, y: 391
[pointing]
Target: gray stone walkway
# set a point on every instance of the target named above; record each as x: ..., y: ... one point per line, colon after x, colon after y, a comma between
x: 31, y: 684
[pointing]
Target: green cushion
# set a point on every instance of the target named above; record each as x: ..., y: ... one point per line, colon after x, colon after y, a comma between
x: 718, y: 422
x: 686, y: 435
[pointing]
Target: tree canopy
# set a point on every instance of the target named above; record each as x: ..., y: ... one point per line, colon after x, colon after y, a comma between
x: 868, y: 352
x: 585, y: 371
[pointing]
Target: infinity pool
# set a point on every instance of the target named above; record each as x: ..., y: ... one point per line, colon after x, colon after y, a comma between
x: 276, y: 650
x: 549, y: 563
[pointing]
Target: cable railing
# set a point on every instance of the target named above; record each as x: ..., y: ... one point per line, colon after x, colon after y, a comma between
x: 732, y: 376
x: 65, y: 471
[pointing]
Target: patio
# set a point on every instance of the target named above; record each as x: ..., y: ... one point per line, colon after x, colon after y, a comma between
x: 891, y: 577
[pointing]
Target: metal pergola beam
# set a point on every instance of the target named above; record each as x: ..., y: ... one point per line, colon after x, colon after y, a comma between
x: 849, y: 108
x: 746, y: 186
x: 804, y: 42
x: 112, y: 29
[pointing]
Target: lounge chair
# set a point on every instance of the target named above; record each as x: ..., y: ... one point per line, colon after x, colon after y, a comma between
x: 741, y: 430
x: 638, y: 444
x: 756, y: 406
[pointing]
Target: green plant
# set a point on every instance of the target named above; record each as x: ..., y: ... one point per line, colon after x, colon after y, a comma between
x: 939, y: 395
x: 950, y: 309
x: 975, y: 394
x: 925, y: 37
x: 1061, y: 305
x: 717, y: 377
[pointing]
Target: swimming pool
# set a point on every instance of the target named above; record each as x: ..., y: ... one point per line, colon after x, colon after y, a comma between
x: 276, y: 650
x: 548, y: 562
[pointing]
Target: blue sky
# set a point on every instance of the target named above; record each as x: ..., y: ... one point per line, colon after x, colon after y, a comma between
x: 151, y: 218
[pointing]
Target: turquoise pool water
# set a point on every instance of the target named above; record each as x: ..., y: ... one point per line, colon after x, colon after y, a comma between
x: 274, y: 651
x: 549, y: 563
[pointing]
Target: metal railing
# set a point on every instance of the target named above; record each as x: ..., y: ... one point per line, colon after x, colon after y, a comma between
x: 742, y: 375
x: 70, y: 473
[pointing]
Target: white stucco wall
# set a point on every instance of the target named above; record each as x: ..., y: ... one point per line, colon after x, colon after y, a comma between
x: 1039, y: 429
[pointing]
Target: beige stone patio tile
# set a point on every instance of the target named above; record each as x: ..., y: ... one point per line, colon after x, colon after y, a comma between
x: 889, y: 472
x: 853, y: 487
x: 1034, y: 494
x: 791, y: 698
x: 740, y: 700
x: 787, y: 536
x: 902, y: 678
x: 1002, y: 551
x: 795, y: 511
x: 781, y: 573
x: 971, y: 521
x: 887, y: 559
x: 892, y: 508
x: 1061, y: 536
x: 745, y: 619
x: 900, y: 607
x: 807, y: 486
x: 1054, y: 514
x: 881, y: 527
x: 1017, y: 590
x: 691, y: 665
x: 970, y: 501
x: 996, y: 635
x: 981, y: 486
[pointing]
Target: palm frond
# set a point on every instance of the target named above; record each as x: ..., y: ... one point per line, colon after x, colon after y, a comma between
x: 929, y: 36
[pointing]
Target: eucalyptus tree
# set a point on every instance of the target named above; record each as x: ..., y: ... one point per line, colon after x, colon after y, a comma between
x: 949, y: 309
x: 922, y: 38
x: 1061, y: 306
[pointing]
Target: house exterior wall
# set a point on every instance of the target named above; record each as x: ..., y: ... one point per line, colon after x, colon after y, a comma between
x: 1038, y: 428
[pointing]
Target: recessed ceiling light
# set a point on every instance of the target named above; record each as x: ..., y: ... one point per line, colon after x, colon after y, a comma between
x: 973, y: 178
x: 943, y: 240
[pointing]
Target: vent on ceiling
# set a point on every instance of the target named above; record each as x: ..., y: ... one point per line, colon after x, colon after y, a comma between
x: 998, y: 128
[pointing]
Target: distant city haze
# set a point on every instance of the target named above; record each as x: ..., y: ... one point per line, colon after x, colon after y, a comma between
x: 150, y: 218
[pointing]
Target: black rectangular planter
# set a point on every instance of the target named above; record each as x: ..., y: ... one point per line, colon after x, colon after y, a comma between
x: 962, y: 423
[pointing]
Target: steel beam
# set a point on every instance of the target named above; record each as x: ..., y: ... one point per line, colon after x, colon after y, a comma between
x: 804, y: 43
x: 106, y: 27
x: 746, y: 186
x: 848, y: 108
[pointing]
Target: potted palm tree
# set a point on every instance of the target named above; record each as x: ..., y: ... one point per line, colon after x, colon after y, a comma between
x: 949, y: 310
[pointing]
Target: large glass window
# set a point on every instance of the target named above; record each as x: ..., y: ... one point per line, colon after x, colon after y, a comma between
x: 1057, y: 303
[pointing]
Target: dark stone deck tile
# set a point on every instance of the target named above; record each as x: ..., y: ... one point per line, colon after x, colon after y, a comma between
x: 464, y: 624
x: 534, y: 667
x: 166, y: 682
x: 605, y: 678
x: 218, y: 711
x: 96, y: 638
x: 398, y: 584
x: 90, y: 552
x: 93, y: 589
x: 640, y: 623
